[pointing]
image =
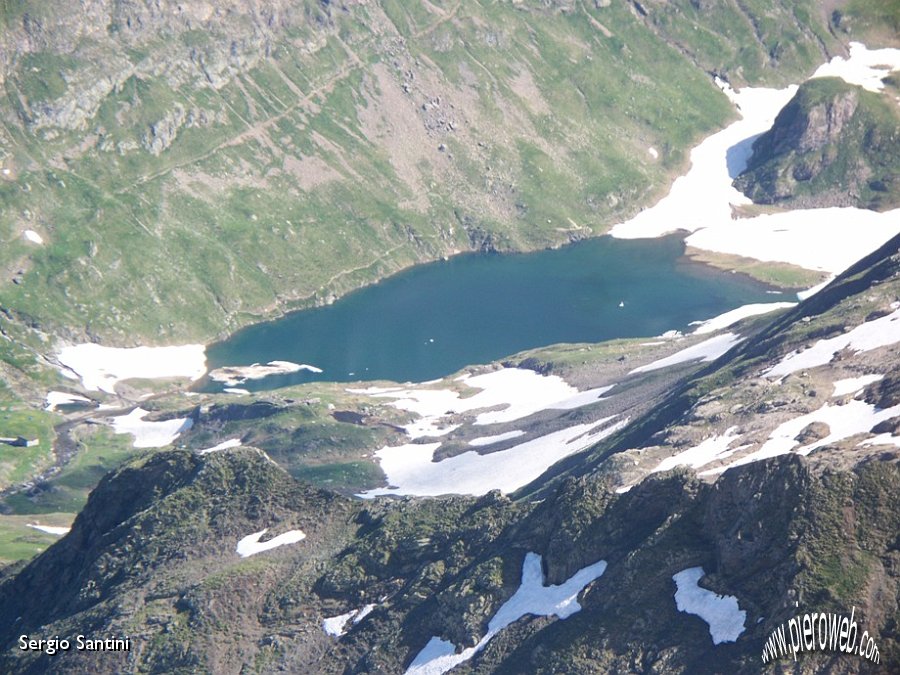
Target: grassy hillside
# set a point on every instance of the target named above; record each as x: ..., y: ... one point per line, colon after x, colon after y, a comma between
x: 192, y: 172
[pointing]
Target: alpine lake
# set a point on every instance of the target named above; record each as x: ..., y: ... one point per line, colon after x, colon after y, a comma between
x: 433, y: 319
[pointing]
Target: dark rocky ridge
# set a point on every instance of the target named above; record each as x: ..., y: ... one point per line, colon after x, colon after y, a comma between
x: 152, y: 556
x: 833, y: 144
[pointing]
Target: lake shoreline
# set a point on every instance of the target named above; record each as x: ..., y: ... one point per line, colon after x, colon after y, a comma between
x: 594, y: 290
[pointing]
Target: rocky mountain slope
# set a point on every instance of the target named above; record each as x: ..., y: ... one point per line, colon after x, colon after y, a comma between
x: 149, y: 152
x: 171, y: 171
x: 804, y: 525
x: 834, y: 144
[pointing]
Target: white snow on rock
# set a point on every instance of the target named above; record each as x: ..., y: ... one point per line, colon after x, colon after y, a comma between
x: 817, y: 239
x: 496, y: 438
x: 150, y: 434
x: 852, y: 418
x: 712, y: 449
x: 866, y: 68
x: 50, y: 529
x: 708, y: 350
x: 532, y: 597
x: 234, y: 375
x: 702, y: 198
x: 224, y: 445
x: 100, y: 368
x: 582, y: 398
x: 851, y: 385
x: 294, y: 367
x: 701, y: 201
x: 809, y: 292
x: 721, y: 612
x: 336, y: 626
x: 520, y: 392
x: 729, y: 318
x: 882, y: 439
x: 867, y: 336
x: 410, y: 468
x: 57, y: 398
x: 251, y: 544
x: 33, y: 237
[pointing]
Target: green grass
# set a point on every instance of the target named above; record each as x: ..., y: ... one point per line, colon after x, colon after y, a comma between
x: 126, y: 233
x: 99, y: 451
x: 20, y: 542
x: 41, y: 76
x: 875, y: 15
x: 216, y: 232
x: 781, y: 275
x: 19, y: 463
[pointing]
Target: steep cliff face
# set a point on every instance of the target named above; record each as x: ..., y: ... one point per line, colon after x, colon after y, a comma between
x: 834, y: 144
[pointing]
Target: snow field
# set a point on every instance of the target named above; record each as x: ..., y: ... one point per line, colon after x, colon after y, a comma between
x: 150, y: 434
x: 101, y: 368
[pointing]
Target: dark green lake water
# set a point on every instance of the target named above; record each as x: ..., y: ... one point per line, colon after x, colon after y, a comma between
x: 434, y: 319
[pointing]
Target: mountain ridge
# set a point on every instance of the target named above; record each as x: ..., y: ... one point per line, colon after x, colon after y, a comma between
x: 442, y: 567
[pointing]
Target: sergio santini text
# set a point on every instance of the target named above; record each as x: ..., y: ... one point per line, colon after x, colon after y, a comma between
x: 81, y: 643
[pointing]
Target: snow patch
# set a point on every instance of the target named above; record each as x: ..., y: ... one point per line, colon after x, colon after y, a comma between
x: 721, y: 612
x: 57, y: 398
x: 728, y: 318
x: 882, y: 439
x: 50, y: 529
x: 410, y: 468
x: 710, y: 450
x: 852, y: 418
x: 865, y: 67
x: 235, y: 375
x: 701, y: 201
x: 224, y: 445
x: 702, y: 198
x: 150, y: 434
x: 582, y: 398
x: 851, y: 385
x: 708, y: 350
x: 809, y: 292
x: 101, y: 368
x: 251, y: 544
x: 490, y: 440
x: 867, y: 336
x: 336, y: 626
x: 33, y: 237
x: 532, y: 597
x: 520, y: 392
x: 789, y: 236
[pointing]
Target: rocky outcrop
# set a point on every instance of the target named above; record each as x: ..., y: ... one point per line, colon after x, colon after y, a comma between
x: 153, y: 557
x: 833, y: 144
